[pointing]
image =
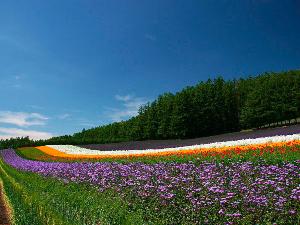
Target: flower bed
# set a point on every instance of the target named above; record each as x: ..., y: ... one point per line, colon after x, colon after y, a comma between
x: 206, y: 192
x: 70, y: 151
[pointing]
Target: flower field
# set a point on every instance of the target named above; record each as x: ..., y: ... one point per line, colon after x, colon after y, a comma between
x: 73, y: 151
x: 275, y: 144
x: 251, y: 181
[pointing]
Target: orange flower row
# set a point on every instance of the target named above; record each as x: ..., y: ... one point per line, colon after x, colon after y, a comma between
x: 204, y: 151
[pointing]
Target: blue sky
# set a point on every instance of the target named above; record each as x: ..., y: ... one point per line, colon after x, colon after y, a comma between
x: 69, y: 65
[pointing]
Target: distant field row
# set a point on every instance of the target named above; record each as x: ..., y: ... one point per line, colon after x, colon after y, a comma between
x: 156, y: 144
x: 246, y: 149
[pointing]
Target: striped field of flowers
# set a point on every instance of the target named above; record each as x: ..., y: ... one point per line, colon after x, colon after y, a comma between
x: 252, y: 181
x: 245, y: 145
x: 231, y: 192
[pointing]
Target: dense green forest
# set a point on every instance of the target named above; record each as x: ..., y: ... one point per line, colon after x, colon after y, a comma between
x: 208, y: 108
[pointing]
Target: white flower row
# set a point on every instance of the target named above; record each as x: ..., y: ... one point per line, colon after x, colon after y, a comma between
x: 75, y: 150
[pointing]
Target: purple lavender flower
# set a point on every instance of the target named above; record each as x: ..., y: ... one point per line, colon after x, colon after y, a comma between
x: 237, y: 188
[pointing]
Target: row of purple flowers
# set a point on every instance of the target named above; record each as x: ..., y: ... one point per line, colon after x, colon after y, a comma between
x: 231, y: 190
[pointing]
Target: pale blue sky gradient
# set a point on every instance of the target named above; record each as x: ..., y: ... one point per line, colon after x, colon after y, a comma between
x: 69, y: 65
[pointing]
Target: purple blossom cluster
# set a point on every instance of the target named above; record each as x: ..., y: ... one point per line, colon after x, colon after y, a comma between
x: 231, y: 190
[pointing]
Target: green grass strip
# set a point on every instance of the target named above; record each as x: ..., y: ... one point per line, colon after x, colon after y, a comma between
x: 37, y: 200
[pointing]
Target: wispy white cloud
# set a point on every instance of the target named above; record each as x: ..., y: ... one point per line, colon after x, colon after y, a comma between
x: 6, y: 133
x: 22, y: 119
x: 123, y: 98
x: 129, y: 108
x: 64, y: 116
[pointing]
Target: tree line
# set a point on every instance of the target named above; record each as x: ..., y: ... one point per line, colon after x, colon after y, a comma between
x: 209, y: 108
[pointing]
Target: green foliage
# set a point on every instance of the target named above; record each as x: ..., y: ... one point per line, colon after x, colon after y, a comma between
x: 208, y: 108
x: 271, y: 98
x: 16, y: 142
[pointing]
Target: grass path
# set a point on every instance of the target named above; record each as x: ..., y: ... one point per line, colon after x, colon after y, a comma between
x: 4, y: 215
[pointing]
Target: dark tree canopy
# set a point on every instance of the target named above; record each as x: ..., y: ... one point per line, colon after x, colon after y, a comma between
x: 208, y: 108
